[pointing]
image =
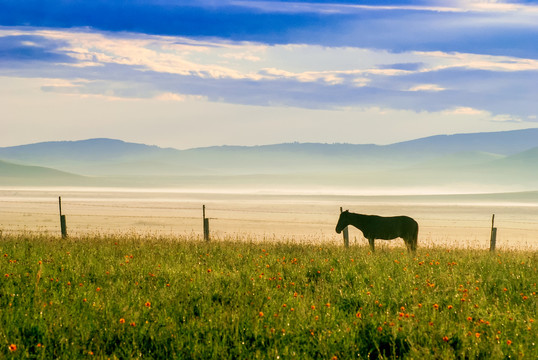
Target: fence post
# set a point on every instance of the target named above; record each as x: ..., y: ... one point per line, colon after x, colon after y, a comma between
x: 63, y: 222
x: 493, y: 239
x: 205, y: 224
x: 345, y: 234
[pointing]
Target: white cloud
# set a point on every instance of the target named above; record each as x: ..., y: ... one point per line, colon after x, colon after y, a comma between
x: 426, y: 87
x: 464, y: 111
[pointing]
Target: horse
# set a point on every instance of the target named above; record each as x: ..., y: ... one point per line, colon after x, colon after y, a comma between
x: 379, y: 227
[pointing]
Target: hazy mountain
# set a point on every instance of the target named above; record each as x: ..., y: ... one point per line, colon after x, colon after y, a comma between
x: 504, y: 142
x: 11, y: 174
x: 500, y: 158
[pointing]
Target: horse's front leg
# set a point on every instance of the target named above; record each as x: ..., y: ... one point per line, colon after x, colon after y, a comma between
x: 371, y: 241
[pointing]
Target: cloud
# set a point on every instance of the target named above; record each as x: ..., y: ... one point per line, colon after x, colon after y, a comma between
x: 497, y: 28
x: 426, y: 87
x: 33, y: 48
x: 310, y: 76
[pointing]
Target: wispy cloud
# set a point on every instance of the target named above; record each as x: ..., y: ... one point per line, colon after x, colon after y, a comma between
x: 243, y: 72
x: 475, y: 59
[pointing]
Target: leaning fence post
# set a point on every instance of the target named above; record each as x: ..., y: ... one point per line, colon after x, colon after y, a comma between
x: 493, y: 239
x: 63, y: 223
x: 345, y: 234
x: 205, y: 224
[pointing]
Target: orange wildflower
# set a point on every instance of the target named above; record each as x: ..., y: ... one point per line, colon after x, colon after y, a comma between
x: 435, y: 306
x: 508, y: 342
x: 147, y: 304
x: 12, y: 347
x: 445, y: 338
x: 132, y: 324
x: 260, y: 314
x: 122, y: 321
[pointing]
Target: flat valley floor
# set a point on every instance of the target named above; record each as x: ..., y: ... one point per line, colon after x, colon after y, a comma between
x: 448, y: 221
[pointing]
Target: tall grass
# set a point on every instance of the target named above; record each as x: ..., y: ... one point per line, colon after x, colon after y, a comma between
x: 131, y: 297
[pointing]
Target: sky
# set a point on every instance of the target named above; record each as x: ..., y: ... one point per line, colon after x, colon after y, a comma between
x: 198, y: 73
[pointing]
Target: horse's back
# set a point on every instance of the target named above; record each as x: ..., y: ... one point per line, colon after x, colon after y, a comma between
x: 391, y: 227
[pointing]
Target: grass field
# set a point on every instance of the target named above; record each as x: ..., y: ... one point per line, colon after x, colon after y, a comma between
x: 163, y: 298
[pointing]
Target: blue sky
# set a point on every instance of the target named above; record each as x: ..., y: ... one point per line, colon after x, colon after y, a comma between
x: 198, y: 73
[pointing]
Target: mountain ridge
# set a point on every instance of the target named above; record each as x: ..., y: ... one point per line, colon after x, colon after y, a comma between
x: 480, y: 158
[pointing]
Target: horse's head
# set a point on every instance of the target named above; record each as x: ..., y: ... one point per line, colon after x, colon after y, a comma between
x: 342, y: 221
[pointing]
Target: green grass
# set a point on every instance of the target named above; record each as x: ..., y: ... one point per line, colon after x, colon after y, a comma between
x: 130, y: 297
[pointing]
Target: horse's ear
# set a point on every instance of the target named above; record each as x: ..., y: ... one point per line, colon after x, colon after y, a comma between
x: 346, y: 211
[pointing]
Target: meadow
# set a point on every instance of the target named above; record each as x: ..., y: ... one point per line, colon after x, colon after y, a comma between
x: 153, y: 297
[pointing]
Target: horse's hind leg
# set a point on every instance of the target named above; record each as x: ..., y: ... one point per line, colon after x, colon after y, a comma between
x: 411, y: 244
x: 371, y: 241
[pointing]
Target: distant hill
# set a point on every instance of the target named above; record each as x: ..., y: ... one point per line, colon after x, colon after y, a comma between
x: 506, y: 159
x: 504, y: 142
x: 11, y: 174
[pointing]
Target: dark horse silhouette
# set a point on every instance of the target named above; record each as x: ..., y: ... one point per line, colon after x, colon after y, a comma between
x: 378, y: 227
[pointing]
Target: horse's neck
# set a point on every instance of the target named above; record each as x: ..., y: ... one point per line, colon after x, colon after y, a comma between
x: 357, y: 219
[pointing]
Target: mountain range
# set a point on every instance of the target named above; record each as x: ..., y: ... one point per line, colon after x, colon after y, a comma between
x: 497, y: 160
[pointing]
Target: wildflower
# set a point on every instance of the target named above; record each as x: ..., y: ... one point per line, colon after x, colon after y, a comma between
x: 477, y: 335
x: 12, y: 347
x: 147, y: 304
x: 132, y: 324
x: 445, y: 338
x: 508, y: 342
x: 313, y: 307
x: 450, y: 307
x: 359, y: 315
x: 380, y: 329
x: 435, y: 306
x: 469, y: 319
x: 98, y: 289
x: 328, y: 305
x: 122, y: 321
x: 505, y: 289
x: 260, y: 314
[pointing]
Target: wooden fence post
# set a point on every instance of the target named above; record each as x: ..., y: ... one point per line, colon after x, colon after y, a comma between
x: 205, y: 224
x: 493, y: 239
x: 63, y: 223
x: 345, y: 234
